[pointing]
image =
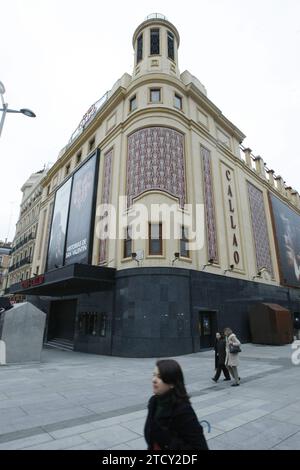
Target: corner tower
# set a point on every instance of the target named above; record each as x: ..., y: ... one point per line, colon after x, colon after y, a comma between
x: 156, y: 43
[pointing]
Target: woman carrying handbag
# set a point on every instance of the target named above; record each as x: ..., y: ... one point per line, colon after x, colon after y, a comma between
x: 232, y: 355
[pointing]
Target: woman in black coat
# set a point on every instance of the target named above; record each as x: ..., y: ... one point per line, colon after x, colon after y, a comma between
x: 171, y: 422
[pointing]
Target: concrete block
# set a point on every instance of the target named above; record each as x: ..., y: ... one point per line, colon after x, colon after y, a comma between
x: 22, y: 330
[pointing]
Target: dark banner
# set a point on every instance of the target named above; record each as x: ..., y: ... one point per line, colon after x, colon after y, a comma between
x: 81, y: 211
x: 59, y: 226
x: 287, y: 231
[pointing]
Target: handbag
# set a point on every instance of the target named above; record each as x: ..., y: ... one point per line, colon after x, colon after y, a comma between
x: 234, y: 349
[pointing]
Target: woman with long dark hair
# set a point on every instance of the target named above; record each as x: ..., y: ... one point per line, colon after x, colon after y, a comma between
x: 171, y: 422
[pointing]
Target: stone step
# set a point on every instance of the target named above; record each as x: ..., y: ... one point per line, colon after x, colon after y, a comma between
x: 60, y: 343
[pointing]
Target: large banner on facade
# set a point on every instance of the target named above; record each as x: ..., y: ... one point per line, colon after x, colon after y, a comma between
x: 59, y: 227
x: 81, y: 212
x: 287, y: 232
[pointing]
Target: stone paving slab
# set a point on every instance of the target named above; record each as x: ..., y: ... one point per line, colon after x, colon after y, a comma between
x: 59, y: 444
x: 105, y: 438
x: 81, y: 401
x: 26, y: 442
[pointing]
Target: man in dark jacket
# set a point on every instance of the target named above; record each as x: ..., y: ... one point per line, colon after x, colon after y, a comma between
x: 220, y: 352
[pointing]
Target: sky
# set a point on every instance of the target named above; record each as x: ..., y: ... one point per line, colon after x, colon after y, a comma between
x: 57, y: 57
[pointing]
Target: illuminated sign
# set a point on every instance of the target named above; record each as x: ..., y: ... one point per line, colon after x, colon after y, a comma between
x: 89, y: 116
x: 35, y: 281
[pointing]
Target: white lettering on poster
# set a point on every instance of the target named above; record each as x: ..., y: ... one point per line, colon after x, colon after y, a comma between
x: 76, y: 248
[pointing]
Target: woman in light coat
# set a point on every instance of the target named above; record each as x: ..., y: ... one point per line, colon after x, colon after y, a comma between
x: 232, y: 360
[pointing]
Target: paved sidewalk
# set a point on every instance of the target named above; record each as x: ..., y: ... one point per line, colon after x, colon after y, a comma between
x: 81, y: 401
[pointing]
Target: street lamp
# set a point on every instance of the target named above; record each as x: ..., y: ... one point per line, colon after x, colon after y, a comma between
x: 5, y: 109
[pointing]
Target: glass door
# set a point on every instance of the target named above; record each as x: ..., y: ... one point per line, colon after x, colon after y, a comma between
x: 207, y: 329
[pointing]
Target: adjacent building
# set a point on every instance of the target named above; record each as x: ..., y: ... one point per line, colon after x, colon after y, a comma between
x: 113, y: 272
x: 23, y: 244
x: 5, y: 252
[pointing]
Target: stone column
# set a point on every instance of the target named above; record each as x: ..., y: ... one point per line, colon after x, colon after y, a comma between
x: 260, y: 166
x: 271, y: 177
x: 289, y: 190
x: 248, y: 157
x: 280, y: 183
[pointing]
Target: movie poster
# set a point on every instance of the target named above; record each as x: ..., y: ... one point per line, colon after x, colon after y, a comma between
x: 81, y: 214
x: 287, y: 232
x: 59, y: 227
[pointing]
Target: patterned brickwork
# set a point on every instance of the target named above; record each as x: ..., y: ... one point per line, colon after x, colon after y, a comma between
x: 105, y: 198
x: 156, y: 161
x: 212, y: 247
x: 259, y: 228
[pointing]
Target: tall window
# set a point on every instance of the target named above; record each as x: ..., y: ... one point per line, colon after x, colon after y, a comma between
x: 155, y: 95
x: 132, y: 103
x: 184, y: 244
x: 128, y: 243
x: 139, y: 56
x: 170, y: 45
x: 155, y: 239
x: 177, y: 101
x: 154, y: 41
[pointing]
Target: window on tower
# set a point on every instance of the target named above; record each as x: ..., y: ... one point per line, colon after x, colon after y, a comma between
x: 170, y: 45
x: 139, y: 56
x: 154, y: 42
x: 155, y: 95
x: 132, y: 103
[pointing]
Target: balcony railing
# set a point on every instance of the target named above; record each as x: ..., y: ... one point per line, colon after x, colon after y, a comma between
x: 19, y: 264
x: 23, y: 242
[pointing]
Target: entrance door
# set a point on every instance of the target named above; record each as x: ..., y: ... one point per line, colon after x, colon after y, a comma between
x: 62, y: 319
x: 207, y: 329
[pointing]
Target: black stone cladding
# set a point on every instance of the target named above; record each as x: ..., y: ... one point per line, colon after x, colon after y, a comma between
x: 153, y: 312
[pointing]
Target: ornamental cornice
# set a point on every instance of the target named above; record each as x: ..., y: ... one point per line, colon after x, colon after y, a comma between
x: 151, y: 77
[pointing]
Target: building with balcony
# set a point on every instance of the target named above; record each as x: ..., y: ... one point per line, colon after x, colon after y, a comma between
x: 24, y: 240
x: 112, y: 271
x: 5, y: 252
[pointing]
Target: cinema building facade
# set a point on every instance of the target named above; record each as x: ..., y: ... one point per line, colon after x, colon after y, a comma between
x: 156, y: 138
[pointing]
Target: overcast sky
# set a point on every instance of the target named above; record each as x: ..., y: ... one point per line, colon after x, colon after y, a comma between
x: 57, y: 57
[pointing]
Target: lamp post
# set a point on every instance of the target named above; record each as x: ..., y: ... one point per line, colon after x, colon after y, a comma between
x: 5, y: 109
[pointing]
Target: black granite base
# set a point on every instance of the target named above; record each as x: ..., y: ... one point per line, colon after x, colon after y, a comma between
x: 154, y: 312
